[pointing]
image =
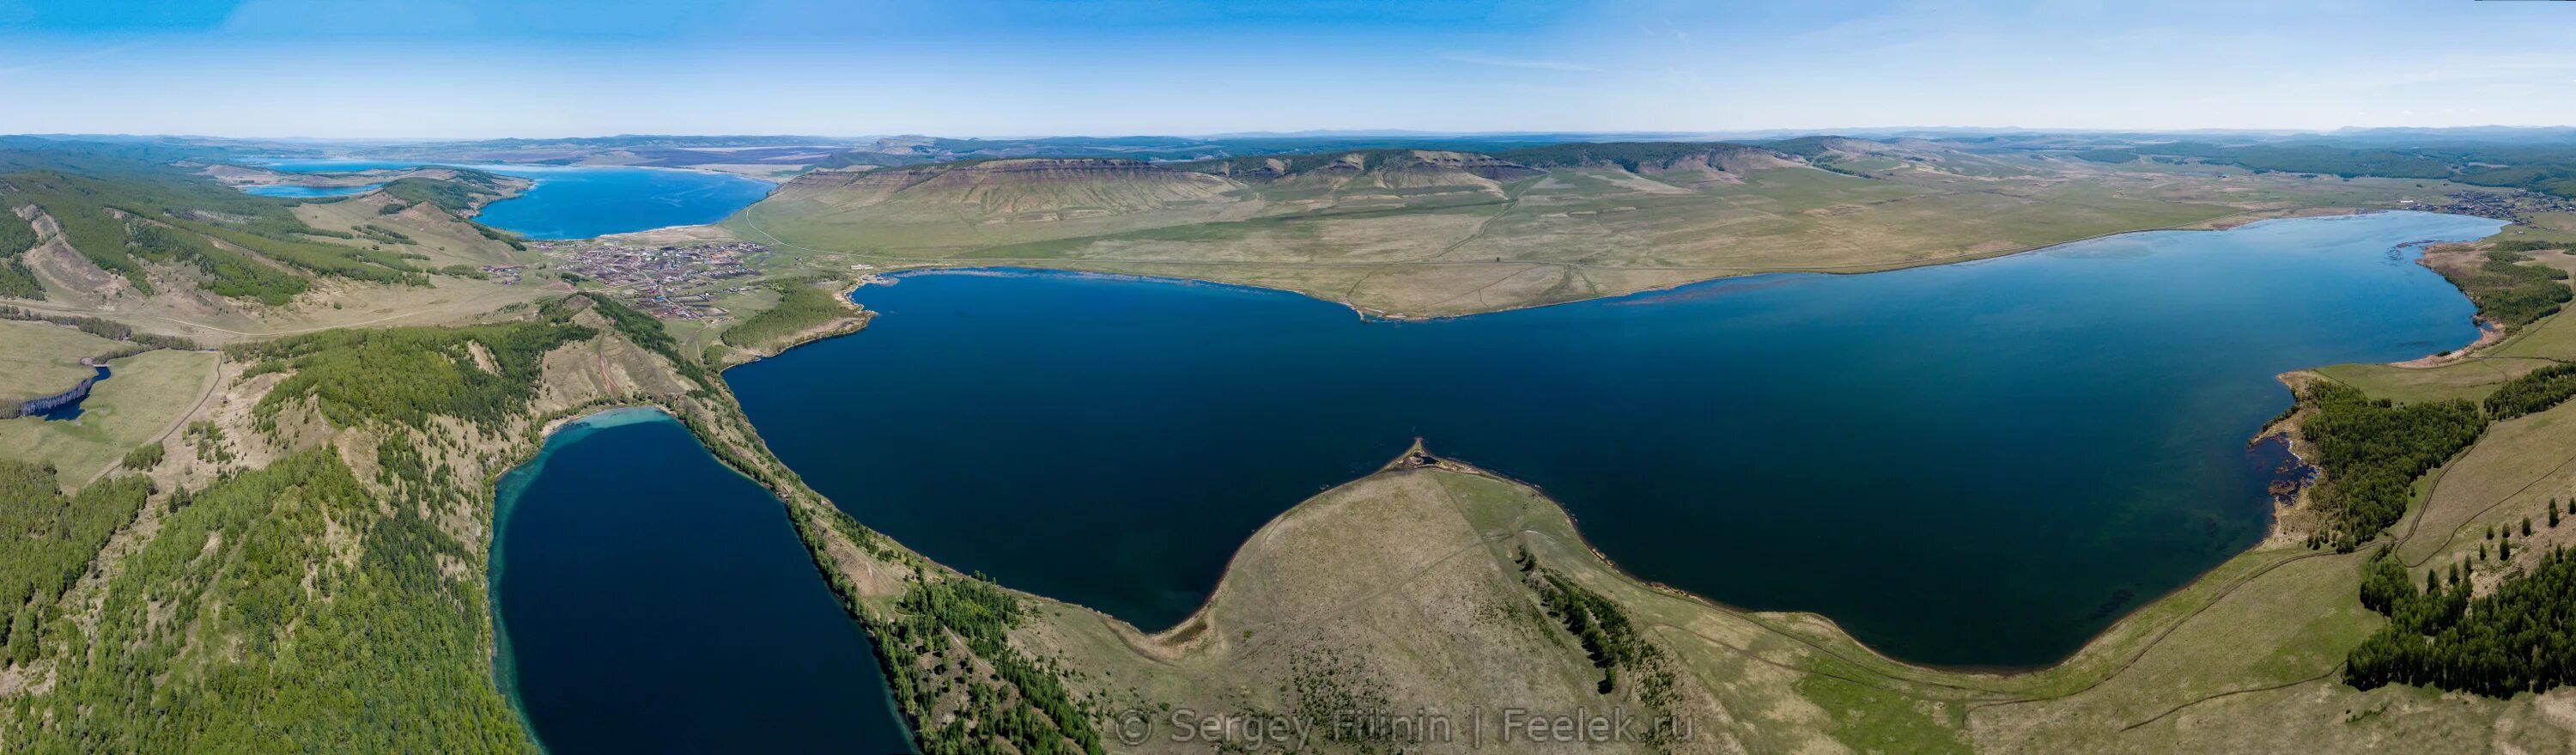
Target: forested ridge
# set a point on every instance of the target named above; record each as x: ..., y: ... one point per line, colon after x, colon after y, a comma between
x: 124, y: 207
x: 16, y: 237
x: 1022, y: 706
x: 279, y: 610
x: 2549, y: 169
x: 406, y: 375
x: 307, y: 605
x: 2510, y: 293
x: 52, y: 540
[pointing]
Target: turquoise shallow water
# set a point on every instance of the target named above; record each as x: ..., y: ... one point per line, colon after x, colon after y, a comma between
x: 308, y: 191
x: 1973, y: 464
x: 652, y: 600
x: 582, y: 202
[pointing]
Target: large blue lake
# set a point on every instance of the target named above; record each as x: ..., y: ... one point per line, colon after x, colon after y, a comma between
x: 652, y: 600
x: 1972, y: 464
x: 582, y: 202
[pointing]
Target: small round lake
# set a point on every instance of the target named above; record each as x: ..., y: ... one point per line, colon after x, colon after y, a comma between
x: 652, y: 600
x: 1973, y: 464
x: 576, y: 202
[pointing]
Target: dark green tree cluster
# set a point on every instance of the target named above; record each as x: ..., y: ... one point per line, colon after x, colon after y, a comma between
x: 802, y: 306
x: 385, y: 235
x: 108, y: 329
x: 228, y: 273
x: 2510, y: 293
x: 2372, y: 450
x: 2543, y: 168
x: 146, y: 456
x: 16, y: 237
x: 405, y: 375
x: 248, y: 624
x: 2521, y: 637
x: 51, y: 540
x: 2527, y: 245
x: 454, y: 196
x: 1023, y: 707
x: 2534, y: 392
x: 1601, y: 627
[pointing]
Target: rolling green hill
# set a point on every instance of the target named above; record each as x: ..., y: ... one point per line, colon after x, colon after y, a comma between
x: 88, y: 226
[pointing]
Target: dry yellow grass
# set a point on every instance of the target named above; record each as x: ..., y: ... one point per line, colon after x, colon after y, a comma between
x: 1477, y: 245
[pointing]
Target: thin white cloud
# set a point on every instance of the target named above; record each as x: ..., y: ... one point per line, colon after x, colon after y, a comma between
x: 1543, y: 65
x: 60, y: 60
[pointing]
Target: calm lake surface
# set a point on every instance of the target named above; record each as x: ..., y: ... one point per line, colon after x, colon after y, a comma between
x: 308, y: 191
x: 582, y: 202
x: 72, y: 411
x: 652, y: 600
x: 1972, y: 464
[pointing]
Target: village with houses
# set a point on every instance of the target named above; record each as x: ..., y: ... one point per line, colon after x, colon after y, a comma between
x: 669, y: 282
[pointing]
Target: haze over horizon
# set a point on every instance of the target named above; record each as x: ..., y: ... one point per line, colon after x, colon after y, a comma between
x: 463, y: 69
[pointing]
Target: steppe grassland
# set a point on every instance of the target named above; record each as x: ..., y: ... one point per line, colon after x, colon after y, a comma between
x: 40, y: 359
x: 1581, y: 233
x: 435, y: 233
x: 144, y: 401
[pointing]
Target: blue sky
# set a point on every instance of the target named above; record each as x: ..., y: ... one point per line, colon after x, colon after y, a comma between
x: 473, y: 68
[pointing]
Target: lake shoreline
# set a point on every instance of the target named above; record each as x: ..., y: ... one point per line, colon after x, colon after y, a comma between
x: 2260, y: 545
x: 2228, y: 222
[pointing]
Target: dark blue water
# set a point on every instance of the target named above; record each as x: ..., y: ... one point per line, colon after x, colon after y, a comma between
x: 308, y: 191
x: 652, y: 600
x: 1972, y: 464
x: 72, y: 411
x: 582, y: 202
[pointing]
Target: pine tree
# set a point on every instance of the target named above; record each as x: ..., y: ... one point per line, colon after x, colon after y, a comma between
x: 2504, y: 550
x: 2526, y: 526
x: 2553, y: 515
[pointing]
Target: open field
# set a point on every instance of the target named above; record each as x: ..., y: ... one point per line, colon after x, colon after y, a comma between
x: 338, y: 305
x: 148, y: 395
x: 42, y: 359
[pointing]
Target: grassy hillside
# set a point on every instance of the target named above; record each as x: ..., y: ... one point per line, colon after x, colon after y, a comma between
x: 1420, y: 232
x: 805, y: 309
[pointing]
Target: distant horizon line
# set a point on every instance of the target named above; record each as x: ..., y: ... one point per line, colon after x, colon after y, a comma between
x: 1325, y: 133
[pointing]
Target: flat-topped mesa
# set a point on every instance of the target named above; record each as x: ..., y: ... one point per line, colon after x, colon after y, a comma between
x: 1674, y: 162
x: 1395, y: 168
